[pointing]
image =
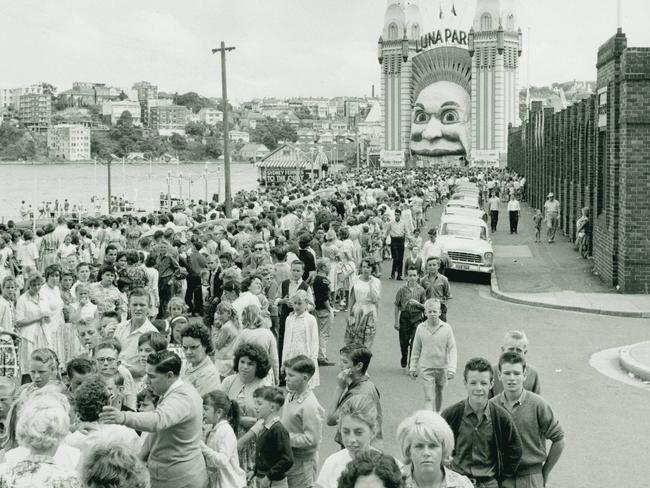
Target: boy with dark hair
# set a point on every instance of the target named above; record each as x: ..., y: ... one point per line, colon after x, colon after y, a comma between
x: 535, y: 421
x: 353, y: 380
x: 273, y: 455
x: 77, y: 370
x: 488, y: 447
x: 302, y: 415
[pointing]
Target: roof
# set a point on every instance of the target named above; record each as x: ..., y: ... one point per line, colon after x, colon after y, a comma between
x: 462, y: 219
x: 253, y: 146
x: 277, y: 158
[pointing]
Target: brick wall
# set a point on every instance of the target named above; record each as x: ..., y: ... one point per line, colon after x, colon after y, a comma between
x: 603, y: 166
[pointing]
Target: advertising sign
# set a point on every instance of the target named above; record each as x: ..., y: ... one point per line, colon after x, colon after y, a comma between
x: 392, y: 159
x: 485, y: 159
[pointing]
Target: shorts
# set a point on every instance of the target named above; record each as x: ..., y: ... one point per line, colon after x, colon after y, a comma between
x: 437, y: 376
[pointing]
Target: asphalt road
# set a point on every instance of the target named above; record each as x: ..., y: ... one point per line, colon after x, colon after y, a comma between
x: 607, y: 422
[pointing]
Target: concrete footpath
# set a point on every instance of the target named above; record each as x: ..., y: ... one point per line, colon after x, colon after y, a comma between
x: 554, y: 275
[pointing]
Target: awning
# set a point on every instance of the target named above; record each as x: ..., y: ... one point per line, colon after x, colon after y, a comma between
x: 284, y: 163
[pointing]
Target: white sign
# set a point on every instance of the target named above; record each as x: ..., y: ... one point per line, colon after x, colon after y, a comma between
x: 485, y: 159
x: 392, y: 159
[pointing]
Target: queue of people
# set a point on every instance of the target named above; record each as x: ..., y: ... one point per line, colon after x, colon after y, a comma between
x: 184, y: 349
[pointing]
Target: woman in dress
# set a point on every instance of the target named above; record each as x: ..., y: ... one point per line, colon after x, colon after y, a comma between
x: 55, y: 327
x: 427, y: 444
x: 365, y: 293
x: 133, y: 233
x: 31, y: 319
x: 251, y: 366
x: 253, y: 332
x: 253, y: 285
x: 49, y: 247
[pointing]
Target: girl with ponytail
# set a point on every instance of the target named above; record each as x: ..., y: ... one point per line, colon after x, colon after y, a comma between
x: 220, y: 446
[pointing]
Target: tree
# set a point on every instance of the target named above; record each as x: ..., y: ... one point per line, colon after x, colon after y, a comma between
x: 193, y: 101
x: 49, y: 89
x: 213, y: 147
x: 303, y: 113
x: 178, y: 142
x: 196, y: 129
x: 271, y: 131
x: 125, y: 121
x: 123, y: 96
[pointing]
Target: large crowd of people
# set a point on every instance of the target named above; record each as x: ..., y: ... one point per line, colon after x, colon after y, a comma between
x: 183, y: 349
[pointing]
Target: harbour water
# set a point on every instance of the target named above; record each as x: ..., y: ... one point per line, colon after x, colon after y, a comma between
x: 140, y: 183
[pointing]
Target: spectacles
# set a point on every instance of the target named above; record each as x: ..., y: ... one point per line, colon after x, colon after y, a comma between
x: 106, y: 360
x: 259, y: 248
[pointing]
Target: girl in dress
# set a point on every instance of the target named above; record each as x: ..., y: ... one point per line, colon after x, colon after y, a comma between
x: 301, y: 334
x: 224, y: 335
x: 220, y: 446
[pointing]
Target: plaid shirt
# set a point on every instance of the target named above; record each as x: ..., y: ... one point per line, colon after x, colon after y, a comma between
x: 407, y: 293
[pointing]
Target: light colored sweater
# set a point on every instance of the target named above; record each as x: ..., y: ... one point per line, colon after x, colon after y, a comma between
x: 303, y: 418
x: 434, y: 347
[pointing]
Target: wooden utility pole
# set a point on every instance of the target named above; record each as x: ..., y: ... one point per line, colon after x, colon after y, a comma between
x: 108, y: 166
x: 226, y: 155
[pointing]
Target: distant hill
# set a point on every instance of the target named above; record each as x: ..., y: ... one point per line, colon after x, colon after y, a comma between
x: 557, y: 95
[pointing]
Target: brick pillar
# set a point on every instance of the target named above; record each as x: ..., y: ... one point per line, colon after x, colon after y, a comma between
x: 634, y: 225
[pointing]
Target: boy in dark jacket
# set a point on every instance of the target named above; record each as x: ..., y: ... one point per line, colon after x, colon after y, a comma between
x: 488, y: 447
x: 273, y: 455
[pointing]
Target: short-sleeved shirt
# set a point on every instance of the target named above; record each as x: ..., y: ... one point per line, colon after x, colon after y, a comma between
x: 129, y: 340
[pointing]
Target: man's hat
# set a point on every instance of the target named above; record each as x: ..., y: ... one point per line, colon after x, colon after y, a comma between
x: 550, y: 195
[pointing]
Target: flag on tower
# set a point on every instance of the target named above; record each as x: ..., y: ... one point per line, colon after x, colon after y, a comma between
x: 453, y: 9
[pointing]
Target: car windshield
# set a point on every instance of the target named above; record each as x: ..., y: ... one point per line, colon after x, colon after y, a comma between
x: 463, y: 230
x: 462, y: 203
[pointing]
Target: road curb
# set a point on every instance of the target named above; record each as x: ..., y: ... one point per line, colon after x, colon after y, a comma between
x: 631, y: 365
x: 497, y: 293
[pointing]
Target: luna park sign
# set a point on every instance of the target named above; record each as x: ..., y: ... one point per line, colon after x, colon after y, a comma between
x: 441, y: 37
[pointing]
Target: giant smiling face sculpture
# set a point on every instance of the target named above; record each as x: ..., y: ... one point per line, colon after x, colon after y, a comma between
x: 440, y: 121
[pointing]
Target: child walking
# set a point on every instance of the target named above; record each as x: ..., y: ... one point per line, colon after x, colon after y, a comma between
x: 273, y: 455
x: 220, y: 446
x: 301, y: 334
x: 434, y: 356
x: 538, y: 218
x: 303, y: 418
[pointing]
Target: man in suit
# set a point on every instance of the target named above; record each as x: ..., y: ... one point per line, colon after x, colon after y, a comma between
x: 173, y: 451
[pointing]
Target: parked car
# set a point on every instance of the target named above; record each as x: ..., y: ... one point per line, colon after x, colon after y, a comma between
x: 466, y: 241
x: 467, y: 207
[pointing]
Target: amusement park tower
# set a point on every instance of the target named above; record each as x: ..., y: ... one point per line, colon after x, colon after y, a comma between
x: 396, y: 48
x: 495, y: 46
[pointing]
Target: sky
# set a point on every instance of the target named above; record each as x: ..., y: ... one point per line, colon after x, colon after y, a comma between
x: 284, y: 48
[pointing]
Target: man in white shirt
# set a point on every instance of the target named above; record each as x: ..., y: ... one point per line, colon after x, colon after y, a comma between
x: 130, y: 331
x: 430, y: 249
x: 493, y: 206
x: 513, y: 213
x: 552, y: 214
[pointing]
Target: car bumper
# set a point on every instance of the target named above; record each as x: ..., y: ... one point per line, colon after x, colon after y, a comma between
x: 473, y: 267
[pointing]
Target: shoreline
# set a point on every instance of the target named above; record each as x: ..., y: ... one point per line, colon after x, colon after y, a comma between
x: 116, y: 162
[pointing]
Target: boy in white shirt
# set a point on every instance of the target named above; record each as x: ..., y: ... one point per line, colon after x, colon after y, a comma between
x: 433, y: 356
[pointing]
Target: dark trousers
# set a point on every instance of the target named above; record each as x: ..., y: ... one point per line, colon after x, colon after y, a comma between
x: 397, y: 251
x: 443, y: 312
x: 194, y: 294
x: 514, y: 221
x: 164, y: 295
x: 408, y: 324
x: 494, y: 219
